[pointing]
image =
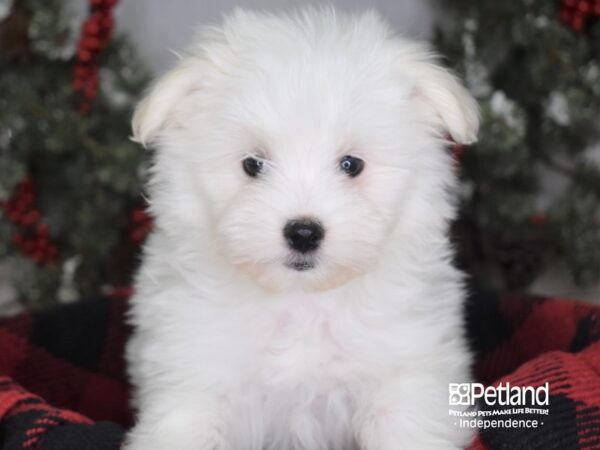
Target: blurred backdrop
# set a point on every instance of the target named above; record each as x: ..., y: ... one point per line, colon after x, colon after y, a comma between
x: 72, y: 213
x: 156, y: 26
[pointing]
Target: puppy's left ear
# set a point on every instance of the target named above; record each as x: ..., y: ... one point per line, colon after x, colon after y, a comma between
x: 447, y: 106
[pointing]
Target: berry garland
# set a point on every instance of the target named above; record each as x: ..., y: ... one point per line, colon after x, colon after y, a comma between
x: 578, y: 13
x: 95, y: 36
x: 457, y: 151
x: 32, y: 235
x: 141, y: 225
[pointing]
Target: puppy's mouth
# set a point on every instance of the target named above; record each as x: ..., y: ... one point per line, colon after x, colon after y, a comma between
x: 301, y: 264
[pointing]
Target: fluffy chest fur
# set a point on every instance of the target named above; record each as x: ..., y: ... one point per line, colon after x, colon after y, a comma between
x: 303, y: 377
x: 290, y: 370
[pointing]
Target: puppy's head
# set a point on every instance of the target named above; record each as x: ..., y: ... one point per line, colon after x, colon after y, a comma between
x: 303, y: 148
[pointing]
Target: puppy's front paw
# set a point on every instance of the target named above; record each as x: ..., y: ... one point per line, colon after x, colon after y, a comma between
x: 177, y: 430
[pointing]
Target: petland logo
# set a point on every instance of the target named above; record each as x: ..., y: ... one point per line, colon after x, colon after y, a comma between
x: 467, y: 394
x: 502, y: 406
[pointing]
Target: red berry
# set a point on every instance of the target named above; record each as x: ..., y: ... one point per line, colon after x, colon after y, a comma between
x: 28, y: 246
x: 14, y: 216
x: 122, y: 292
x: 137, y: 235
x: 566, y: 16
x: 97, y: 17
x: 84, y: 55
x: 91, y: 28
x: 28, y: 198
x: 26, y: 184
x: 583, y: 6
x: 108, y: 22
x: 138, y: 215
x: 577, y: 22
x: 42, y: 230
x: 42, y: 244
x: 90, y: 92
x: 21, y: 205
x: 80, y: 71
x: 92, y: 44
x: 31, y: 217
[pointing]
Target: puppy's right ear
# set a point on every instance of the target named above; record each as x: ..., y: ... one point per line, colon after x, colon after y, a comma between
x: 156, y: 110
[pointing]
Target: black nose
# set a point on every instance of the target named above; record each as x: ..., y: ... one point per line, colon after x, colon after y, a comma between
x: 303, y: 235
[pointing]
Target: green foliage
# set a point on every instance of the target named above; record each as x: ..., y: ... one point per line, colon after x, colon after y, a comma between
x: 85, y: 170
x: 533, y: 179
x: 531, y: 185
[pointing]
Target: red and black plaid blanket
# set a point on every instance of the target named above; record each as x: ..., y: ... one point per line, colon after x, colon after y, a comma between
x: 62, y: 383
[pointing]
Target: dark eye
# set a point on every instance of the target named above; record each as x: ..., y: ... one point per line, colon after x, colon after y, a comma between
x: 352, y: 165
x: 253, y: 166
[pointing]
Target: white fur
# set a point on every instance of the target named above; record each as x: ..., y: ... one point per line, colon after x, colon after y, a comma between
x: 233, y: 350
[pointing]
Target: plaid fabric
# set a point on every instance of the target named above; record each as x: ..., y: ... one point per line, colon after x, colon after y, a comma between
x: 72, y: 358
x: 531, y: 341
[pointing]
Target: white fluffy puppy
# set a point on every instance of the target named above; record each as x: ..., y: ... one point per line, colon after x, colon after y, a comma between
x: 297, y: 291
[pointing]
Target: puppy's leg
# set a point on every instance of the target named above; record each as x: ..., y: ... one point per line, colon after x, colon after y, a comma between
x: 170, y: 421
x: 409, y: 413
